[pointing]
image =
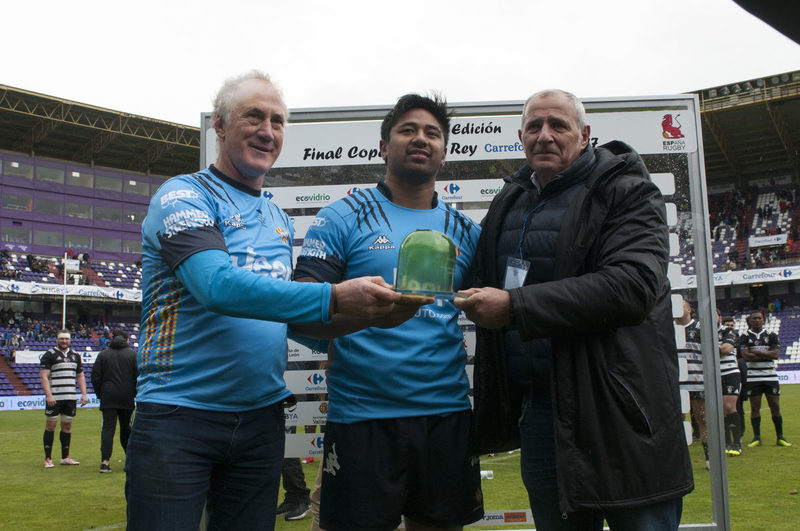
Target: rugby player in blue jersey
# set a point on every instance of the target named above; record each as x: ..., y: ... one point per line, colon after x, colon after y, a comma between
x: 217, y: 265
x: 398, y: 404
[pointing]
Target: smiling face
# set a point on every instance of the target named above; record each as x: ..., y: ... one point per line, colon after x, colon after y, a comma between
x: 251, y: 141
x: 415, y: 150
x: 63, y: 342
x: 551, y: 135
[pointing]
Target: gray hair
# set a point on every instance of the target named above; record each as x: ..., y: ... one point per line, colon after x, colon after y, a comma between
x: 225, y: 100
x: 580, y: 111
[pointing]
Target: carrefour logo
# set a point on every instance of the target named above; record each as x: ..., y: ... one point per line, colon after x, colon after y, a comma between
x: 317, y: 442
x: 268, y: 194
x: 786, y: 273
x: 316, y: 379
x: 353, y: 190
x: 451, y: 188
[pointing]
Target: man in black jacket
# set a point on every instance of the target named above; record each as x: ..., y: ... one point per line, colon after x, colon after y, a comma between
x: 575, y: 355
x: 114, y: 381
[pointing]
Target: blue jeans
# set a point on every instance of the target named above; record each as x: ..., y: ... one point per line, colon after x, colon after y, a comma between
x: 180, y: 458
x: 538, y: 465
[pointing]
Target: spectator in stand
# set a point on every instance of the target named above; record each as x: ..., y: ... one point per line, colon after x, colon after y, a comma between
x: 114, y: 381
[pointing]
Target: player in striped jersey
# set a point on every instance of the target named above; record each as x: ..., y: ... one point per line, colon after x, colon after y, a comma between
x: 694, y: 383
x: 59, y: 369
x: 760, y: 349
x: 731, y: 380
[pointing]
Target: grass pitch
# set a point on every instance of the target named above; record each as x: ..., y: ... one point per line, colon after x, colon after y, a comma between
x: 763, y: 483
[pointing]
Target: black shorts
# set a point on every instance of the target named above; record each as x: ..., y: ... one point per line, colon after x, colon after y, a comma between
x: 377, y: 470
x: 62, y: 407
x: 767, y: 388
x: 731, y: 384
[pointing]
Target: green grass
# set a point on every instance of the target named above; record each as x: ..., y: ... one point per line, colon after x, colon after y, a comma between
x: 763, y: 482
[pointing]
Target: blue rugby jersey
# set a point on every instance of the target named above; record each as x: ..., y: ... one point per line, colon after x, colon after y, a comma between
x: 188, y: 354
x: 417, y: 368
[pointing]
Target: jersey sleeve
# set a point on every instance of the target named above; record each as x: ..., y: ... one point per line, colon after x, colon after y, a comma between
x: 181, y: 221
x: 727, y: 335
x: 323, y: 255
x: 46, y: 361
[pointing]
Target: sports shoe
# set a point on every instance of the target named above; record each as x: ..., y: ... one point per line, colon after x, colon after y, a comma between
x: 69, y: 461
x: 708, y: 464
x: 298, y: 511
x: 733, y: 451
x: 283, y: 508
x: 783, y: 442
x: 105, y: 469
x: 755, y: 442
x: 48, y: 463
x: 307, y: 460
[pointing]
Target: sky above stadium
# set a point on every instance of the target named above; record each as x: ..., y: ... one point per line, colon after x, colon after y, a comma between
x: 165, y: 59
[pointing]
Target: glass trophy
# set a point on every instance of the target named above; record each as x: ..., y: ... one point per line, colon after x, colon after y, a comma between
x: 426, y: 266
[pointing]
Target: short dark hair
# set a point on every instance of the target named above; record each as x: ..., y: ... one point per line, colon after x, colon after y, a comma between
x: 434, y: 104
x: 119, y: 332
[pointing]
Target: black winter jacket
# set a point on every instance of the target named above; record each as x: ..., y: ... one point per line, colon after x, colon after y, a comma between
x: 617, y: 416
x: 114, y: 375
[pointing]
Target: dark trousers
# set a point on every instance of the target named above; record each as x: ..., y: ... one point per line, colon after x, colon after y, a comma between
x: 294, y: 481
x: 110, y: 417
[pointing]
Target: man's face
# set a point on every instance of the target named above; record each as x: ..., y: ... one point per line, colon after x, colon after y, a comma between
x: 415, y: 150
x: 252, y: 140
x: 551, y: 136
x: 756, y: 322
x: 63, y: 342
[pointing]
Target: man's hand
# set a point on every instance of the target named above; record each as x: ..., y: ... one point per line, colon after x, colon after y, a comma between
x: 50, y: 400
x: 365, y: 297
x: 402, y: 311
x: 84, y: 400
x: 486, y: 307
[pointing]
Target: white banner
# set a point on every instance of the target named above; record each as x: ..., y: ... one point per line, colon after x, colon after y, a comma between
x: 482, y: 138
x: 34, y: 288
x: 765, y: 241
x: 775, y: 274
x: 16, y: 403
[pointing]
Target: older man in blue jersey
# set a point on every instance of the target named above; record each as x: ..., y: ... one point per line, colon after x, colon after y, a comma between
x: 398, y: 410
x: 217, y: 264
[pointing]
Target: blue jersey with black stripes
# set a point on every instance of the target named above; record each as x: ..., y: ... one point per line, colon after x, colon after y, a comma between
x: 417, y: 368
x: 189, y: 355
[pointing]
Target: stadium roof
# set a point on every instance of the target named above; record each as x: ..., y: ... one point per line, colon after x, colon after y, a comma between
x: 750, y: 129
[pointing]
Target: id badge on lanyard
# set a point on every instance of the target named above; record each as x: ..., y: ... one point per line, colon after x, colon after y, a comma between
x: 516, y: 271
x: 517, y: 267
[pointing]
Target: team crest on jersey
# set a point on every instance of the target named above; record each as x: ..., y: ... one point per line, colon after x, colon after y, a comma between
x: 382, y: 242
x: 235, y: 221
x: 283, y: 234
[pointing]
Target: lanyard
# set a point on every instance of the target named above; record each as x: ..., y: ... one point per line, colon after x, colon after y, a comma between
x: 525, y: 225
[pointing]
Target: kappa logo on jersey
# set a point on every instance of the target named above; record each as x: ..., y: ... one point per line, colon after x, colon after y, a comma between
x: 451, y: 188
x: 283, y: 234
x: 382, y: 242
x: 170, y: 198
x: 235, y: 221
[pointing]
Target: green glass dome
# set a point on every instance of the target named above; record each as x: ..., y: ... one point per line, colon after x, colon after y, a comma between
x: 426, y: 263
